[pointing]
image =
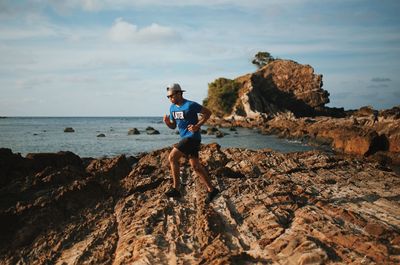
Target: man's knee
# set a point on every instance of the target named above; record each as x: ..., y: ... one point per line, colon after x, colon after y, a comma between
x: 173, y: 156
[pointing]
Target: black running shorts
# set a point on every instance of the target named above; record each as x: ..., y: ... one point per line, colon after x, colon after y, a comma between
x: 189, y: 146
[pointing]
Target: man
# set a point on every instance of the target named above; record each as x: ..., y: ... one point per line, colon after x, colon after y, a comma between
x: 184, y: 114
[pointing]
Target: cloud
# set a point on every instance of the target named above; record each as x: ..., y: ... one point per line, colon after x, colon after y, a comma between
x: 123, y: 31
x: 96, y: 5
x: 32, y: 83
x: 380, y: 79
x: 378, y: 86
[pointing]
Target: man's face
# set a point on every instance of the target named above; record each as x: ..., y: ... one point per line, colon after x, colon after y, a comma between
x: 174, y: 96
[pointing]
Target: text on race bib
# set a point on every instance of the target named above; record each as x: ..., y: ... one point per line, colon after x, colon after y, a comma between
x: 178, y: 115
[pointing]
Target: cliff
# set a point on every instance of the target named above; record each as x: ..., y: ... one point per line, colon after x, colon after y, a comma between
x: 281, y: 86
x: 274, y: 208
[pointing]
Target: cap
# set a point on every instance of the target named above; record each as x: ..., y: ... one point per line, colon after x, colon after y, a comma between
x: 174, y: 87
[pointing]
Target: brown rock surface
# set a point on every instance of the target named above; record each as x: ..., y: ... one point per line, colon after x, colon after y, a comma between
x: 274, y: 208
x: 358, y: 135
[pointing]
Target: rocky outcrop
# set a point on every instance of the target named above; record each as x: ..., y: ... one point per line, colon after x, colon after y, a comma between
x: 296, y: 208
x: 280, y: 86
x: 358, y: 134
x: 363, y: 132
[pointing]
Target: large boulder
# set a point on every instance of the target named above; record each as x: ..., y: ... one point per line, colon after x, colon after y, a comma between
x: 12, y: 166
x: 281, y: 86
x: 55, y: 160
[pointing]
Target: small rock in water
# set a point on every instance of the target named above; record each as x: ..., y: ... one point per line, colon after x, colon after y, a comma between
x: 133, y: 131
x: 101, y: 135
x: 152, y: 132
x: 219, y: 134
x: 69, y: 129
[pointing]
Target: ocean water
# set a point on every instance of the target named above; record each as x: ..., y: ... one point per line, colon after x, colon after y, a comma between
x: 46, y: 134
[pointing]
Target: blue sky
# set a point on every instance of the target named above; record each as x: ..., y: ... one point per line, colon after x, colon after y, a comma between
x: 115, y: 57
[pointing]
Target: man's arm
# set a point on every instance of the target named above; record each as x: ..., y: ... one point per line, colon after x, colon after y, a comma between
x: 204, y: 116
x: 169, y: 123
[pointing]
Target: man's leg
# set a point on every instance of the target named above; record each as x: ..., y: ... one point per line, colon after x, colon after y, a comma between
x: 173, y: 158
x: 201, y: 172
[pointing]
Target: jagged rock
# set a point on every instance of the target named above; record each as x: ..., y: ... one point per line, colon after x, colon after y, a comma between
x: 281, y: 86
x: 12, y: 166
x: 69, y: 129
x: 393, y: 113
x: 55, y: 160
x: 274, y: 208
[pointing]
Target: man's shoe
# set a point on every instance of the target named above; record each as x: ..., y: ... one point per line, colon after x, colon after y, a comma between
x: 174, y: 193
x: 211, y: 195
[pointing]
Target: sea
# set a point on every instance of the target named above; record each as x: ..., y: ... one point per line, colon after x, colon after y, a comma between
x: 46, y: 134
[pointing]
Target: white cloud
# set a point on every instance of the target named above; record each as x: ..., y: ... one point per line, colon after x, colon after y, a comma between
x: 123, y: 31
x: 96, y: 5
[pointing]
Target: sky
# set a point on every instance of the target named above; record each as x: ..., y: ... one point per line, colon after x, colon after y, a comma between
x: 116, y: 57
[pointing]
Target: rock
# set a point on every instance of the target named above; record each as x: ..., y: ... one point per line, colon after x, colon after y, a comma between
x: 12, y: 166
x: 212, y: 130
x: 281, y: 86
x: 55, y: 160
x: 274, y: 208
x: 152, y: 132
x: 69, y: 129
x: 219, y: 134
x: 101, y: 135
x: 393, y: 113
x: 133, y: 131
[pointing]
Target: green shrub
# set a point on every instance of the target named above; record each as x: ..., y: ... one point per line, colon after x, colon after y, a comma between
x: 222, y: 95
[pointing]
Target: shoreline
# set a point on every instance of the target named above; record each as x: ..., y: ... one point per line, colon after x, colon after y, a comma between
x: 359, y: 134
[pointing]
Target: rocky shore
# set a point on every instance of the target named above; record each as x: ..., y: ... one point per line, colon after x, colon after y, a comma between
x: 274, y: 208
x: 287, y: 99
x: 359, y: 133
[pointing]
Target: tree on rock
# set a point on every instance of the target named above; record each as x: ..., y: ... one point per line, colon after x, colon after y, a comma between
x: 262, y: 58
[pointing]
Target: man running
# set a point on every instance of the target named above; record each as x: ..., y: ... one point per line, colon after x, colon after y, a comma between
x: 184, y: 114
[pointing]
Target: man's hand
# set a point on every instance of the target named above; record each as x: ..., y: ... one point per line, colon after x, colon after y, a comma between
x: 167, y: 121
x: 193, y: 128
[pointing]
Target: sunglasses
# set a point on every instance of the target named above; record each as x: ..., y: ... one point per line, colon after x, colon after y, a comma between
x: 172, y: 95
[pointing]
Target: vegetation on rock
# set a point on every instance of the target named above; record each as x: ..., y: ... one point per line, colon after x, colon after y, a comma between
x: 262, y: 58
x: 222, y: 95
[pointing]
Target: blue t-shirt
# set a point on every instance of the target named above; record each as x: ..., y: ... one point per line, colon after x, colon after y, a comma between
x: 185, y: 115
